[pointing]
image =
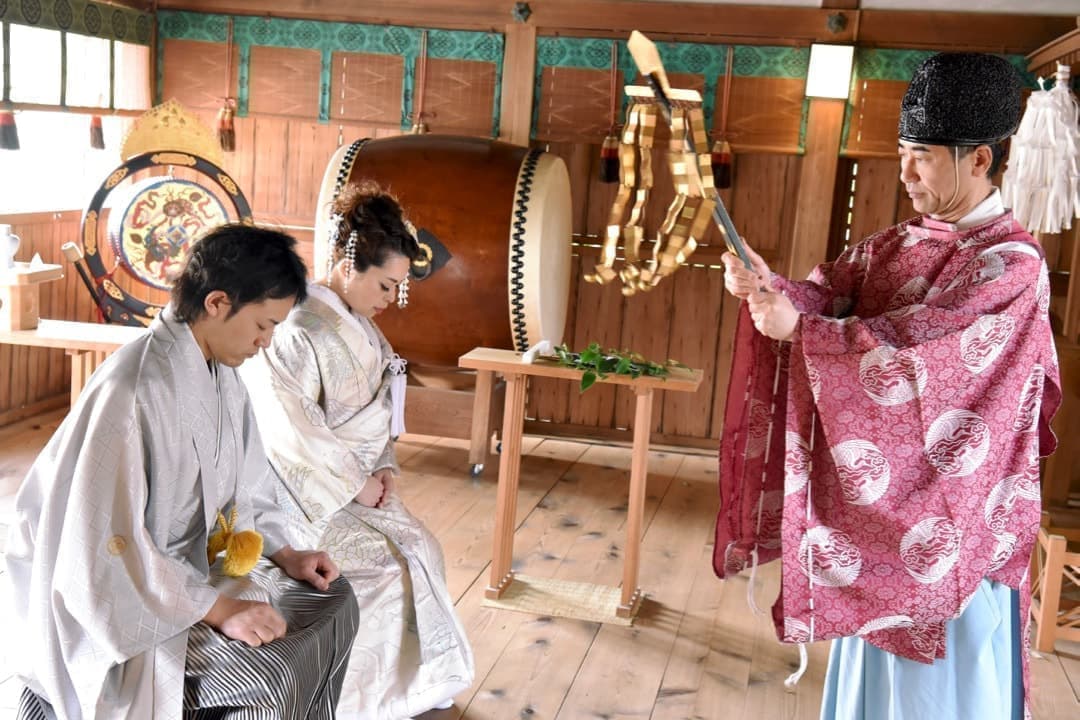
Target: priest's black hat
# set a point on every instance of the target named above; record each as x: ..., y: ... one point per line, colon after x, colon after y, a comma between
x: 961, y: 99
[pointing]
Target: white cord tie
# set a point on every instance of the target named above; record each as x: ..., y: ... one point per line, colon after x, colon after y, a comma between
x: 793, y: 678
x: 398, y: 382
x: 750, y: 586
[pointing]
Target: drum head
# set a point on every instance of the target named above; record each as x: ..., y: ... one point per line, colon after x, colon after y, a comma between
x: 538, y: 275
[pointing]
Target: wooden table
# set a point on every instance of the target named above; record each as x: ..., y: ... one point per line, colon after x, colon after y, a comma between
x: 487, y: 362
x: 86, y: 343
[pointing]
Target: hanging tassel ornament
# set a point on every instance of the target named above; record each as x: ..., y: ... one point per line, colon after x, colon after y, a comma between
x: 97, y: 136
x: 1042, y: 182
x: 226, y: 132
x: 419, y: 127
x: 609, y: 159
x: 609, y: 150
x: 9, y: 134
x: 721, y: 164
x: 721, y: 150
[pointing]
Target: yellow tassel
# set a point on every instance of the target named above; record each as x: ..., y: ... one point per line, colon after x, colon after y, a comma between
x: 219, y: 540
x: 242, y: 549
x: 242, y: 553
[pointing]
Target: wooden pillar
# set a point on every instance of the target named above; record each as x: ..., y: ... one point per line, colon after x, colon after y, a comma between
x: 519, y: 70
x: 817, y: 179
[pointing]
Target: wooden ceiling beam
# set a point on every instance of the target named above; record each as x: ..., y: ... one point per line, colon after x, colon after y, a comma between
x: 749, y: 24
x: 989, y: 32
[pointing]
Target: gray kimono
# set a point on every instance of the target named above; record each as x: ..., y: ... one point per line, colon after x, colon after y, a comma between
x: 108, y: 554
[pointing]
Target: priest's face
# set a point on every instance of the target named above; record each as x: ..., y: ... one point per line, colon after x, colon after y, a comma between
x: 231, y: 339
x: 936, y: 183
x: 369, y: 292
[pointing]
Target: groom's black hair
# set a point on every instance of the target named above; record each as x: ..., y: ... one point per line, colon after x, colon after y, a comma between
x: 249, y: 264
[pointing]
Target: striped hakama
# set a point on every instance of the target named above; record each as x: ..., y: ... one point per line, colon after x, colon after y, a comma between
x: 296, y: 676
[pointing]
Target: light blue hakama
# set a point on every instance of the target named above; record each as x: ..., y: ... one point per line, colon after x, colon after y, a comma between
x: 980, y: 677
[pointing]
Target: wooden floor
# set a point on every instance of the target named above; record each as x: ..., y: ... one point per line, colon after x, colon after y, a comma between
x: 695, y: 653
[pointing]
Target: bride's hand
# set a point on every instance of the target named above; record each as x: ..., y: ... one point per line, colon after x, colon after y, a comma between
x: 371, y: 494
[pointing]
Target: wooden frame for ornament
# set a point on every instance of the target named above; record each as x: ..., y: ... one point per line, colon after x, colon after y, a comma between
x: 675, y: 95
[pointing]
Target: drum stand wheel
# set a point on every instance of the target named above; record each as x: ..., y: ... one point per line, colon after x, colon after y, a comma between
x: 478, y: 468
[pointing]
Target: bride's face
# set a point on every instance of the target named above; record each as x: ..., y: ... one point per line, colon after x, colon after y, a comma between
x: 368, y: 293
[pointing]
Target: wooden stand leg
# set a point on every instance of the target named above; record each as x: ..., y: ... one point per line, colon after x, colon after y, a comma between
x: 79, y: 373
x: 639, y: 469
x: 480, y: 438
x: 506, y: 498
x: 83, y: 365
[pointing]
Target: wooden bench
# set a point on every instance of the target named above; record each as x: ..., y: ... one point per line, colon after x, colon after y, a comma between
x: 87, y: 343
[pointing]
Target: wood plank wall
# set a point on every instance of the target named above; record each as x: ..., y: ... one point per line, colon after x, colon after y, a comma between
x: 39, y: 378
x: 280, y: 161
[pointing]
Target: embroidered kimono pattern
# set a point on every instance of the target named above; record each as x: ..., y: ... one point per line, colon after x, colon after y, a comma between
x: 108, y: 552
x: 322, y: 400
x: 898, y: 466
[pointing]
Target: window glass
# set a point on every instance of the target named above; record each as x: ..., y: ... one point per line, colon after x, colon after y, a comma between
x: 87, y: 71
x: 35, y: 65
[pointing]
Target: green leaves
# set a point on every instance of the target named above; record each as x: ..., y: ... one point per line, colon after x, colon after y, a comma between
x: 598, y: 364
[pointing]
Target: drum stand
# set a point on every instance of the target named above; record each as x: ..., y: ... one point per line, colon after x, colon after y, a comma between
x: 464, y: 405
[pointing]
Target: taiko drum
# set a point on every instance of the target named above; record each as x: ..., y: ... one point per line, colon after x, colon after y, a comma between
x: 501, y: 213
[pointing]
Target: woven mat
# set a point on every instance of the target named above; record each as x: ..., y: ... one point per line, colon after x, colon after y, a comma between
x: 561, y: 598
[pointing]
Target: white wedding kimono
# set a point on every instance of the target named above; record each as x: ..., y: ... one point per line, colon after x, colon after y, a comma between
x: 322, y: 401
x: 107, y: 556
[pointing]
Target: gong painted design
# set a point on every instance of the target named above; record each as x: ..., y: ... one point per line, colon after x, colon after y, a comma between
x: 162, y: 218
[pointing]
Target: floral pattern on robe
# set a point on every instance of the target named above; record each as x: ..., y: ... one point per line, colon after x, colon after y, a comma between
x: 903, y: 427
x: 322, y: 401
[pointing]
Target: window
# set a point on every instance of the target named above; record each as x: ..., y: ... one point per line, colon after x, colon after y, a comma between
x: 87, y: 71
x: 35, y: 65
x: 55, y: 168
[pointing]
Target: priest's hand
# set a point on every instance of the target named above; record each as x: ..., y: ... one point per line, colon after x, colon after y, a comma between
x: 312, y: 566
x: 254, y: 623
x: 773, y: 314
x: 739, y: 281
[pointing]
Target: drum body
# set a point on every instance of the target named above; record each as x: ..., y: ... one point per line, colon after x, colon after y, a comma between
x: 503, y: 214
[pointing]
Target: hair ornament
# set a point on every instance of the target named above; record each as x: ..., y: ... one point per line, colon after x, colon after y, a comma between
x: 332, y: 235
x: 350, y: 254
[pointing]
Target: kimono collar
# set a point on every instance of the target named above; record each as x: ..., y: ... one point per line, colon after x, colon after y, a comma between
x: 333, y: 301
x: 989, y: 209
x: 987, y: 215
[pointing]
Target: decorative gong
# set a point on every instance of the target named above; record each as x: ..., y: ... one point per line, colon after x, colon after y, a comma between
x: 154, y: 216
x: 151, y: 231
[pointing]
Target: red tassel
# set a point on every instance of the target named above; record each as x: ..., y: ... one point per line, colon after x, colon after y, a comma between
x: 609, y: 159
x: 9, y: 134
x: 97, y: 137
x: 721, y: 164
x: 225, y: 131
